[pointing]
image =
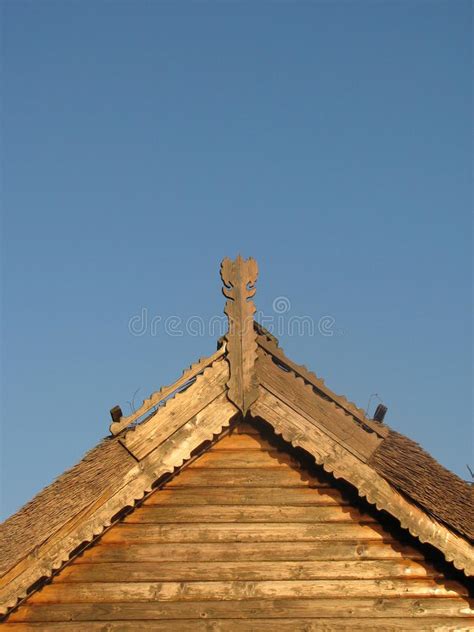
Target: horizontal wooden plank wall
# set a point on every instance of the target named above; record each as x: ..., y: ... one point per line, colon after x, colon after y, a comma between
x: 245, y: 538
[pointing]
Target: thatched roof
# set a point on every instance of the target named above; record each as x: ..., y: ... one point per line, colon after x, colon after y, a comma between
x: 420, y: 477
x: 60, y: 501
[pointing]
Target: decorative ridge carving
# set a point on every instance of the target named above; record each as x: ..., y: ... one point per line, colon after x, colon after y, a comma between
x: 270, y: 345
x: 239, y: 278
x: 120, y: 422
x: 208, y: 385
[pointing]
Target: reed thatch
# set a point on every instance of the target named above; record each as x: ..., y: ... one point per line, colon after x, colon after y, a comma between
x: 69, y: 494
x: 419, y: 476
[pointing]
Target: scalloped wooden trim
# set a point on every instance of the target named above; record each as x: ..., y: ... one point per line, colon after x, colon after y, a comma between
x: 300, y: 433
x: 142, y: 439
x: 239, y: 278
x: 330, y: 418
x: 138, y: 481
x: 165, y: 391
x: 270, y: 345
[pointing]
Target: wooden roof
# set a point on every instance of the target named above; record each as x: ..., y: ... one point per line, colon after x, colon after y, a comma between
x: 248, y: 375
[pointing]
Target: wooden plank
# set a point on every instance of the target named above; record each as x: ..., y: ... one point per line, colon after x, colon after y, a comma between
x: 246, y: 532
x: 239, y: 278
x: 417, y: 609
x: 243, y: 570
x: 325, y: 415
x: 237, y: 441
x: 282, y: 476
x: 245, y: 428
x: 249, y: 625
x: 256, y: 551
x: 144, y: 438
x: 296, y: 429
x: 308, y: 376
x: 245, y: 513
x: 166, y: 391
x: 288, y: 496
x: 216, y: 459
x: 105, y: 592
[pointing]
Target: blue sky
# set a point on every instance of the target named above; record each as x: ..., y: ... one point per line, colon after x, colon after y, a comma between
x: 145, y: 141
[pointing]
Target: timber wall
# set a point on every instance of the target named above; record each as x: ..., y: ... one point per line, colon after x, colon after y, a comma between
x: 245, y: 538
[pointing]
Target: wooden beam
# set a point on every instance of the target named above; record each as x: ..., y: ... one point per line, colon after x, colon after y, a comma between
x: 119, y: 422
x: 239, y: 278
x: 346, y: 550
x: 245, y: 571
x: 245, y: 532
x: 331, y: 419
x: 156, y: 514
x: 411, y: 612
x: 205, y: 624
x: 110, y: 592
x: 144, y: 438
x: 225, y: 495
x: 269, y: 345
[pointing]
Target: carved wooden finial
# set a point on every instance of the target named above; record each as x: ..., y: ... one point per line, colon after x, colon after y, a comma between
x: 239, y: 278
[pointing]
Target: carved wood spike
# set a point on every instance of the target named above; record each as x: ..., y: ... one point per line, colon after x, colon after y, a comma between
x: 239, y: 278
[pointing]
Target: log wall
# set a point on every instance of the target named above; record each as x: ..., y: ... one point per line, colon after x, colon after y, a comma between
x: 245, y: 538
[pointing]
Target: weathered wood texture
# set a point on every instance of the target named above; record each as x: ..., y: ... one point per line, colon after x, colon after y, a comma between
x: 144, y: 438
x: 244, y: 538
x: 303, y: 432
x: 270, y: 346
x: 239, y: 278
x: 330, y: 418
x: 129, y: 487
x: 247, y: 625
x: 159, y: 397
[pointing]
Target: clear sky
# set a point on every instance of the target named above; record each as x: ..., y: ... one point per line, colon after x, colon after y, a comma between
x: 144, y: 141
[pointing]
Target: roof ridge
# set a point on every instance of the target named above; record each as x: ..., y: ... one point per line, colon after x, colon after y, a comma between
x: 135, y: 434
x: 165, y: 392
x: 271, y: 346
x: 301, y: 396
